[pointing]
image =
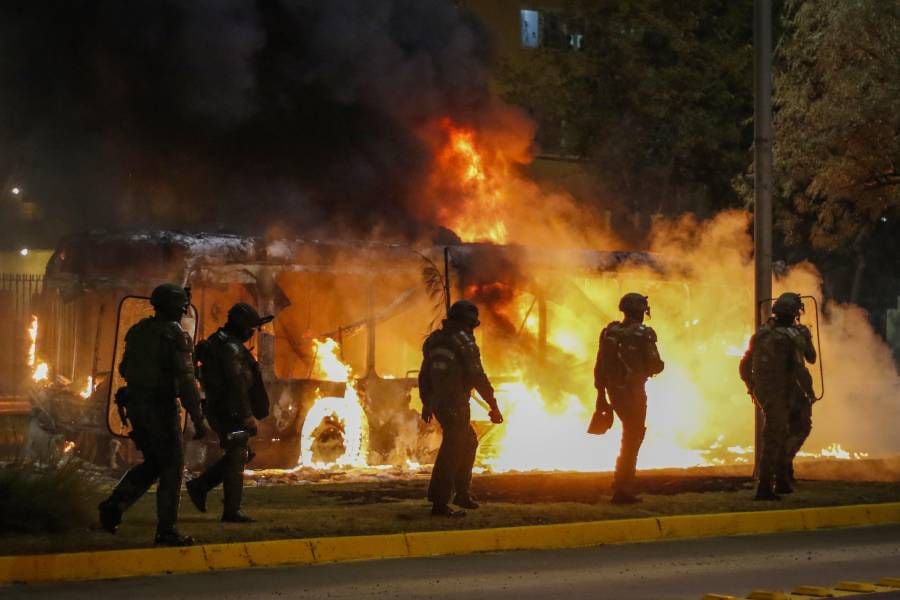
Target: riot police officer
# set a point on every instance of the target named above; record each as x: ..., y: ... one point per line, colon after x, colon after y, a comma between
x: 774, y: 371
x: 235, y: 399
x: 802, y: 396
x: 626, y: 357
x: 451, y: 369
x: 158, y: 367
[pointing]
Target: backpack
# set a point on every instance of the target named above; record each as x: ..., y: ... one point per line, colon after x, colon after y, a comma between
x: 772, y: 361
x: 624, y: 350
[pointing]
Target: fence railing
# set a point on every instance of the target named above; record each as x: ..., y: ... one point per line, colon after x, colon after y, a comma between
x: 18, y: 296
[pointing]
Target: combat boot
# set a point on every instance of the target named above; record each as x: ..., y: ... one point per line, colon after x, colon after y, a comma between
x: 197, y: 492
x: 783, y: 486
x: 765, y: 493
x: 237, y: 517
x: 465, y: 501
x: 442, y: 510
x: 110, y: 515
x: 620, y: 497
x: 172, y: 537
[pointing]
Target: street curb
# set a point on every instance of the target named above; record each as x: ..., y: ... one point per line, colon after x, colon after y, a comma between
x: 115, y: 564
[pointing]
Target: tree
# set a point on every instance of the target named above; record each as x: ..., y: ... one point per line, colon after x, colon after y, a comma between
x: 837, y: 128
x: 657, y: 100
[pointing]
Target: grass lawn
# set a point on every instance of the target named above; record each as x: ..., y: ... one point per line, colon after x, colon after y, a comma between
x: 330, y: 509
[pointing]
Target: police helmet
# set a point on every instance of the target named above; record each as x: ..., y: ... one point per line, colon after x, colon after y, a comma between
x: 246, y: 317
x: 633, y: 303
x: 464, y: 311
x: 788, y: 304
x: 170, y: 299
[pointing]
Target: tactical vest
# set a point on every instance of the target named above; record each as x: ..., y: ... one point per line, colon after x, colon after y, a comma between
x: 444, y: 368
x: 211, y: 356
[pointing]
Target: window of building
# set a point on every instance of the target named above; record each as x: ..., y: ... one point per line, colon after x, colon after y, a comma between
x: 550, y: 30
x: 531, y: 28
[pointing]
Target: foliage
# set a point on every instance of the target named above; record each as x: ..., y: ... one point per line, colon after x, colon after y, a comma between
x: 37, y: 499
x: 837, y: 142
x: 658, y: 99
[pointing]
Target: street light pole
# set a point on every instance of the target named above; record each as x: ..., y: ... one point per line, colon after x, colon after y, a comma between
x: 762, y: 185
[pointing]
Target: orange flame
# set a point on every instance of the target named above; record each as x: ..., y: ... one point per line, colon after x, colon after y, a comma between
x: 39, y: 370
x: 347, y: 412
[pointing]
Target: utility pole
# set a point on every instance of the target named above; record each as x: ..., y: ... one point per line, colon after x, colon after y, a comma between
x: 762, y: 184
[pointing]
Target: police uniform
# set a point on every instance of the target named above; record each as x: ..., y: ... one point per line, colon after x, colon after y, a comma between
x: 626, y: 356
x: 235, y: 396
x: 451, y: 369
x: 802, y: 396
x: 769, y: 368
x: 158, y: 367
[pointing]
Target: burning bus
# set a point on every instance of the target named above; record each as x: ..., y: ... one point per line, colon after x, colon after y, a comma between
x: 340, y: 359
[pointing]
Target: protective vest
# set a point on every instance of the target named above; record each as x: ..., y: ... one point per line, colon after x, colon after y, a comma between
x: 231, y: 379
x: 451, y: 369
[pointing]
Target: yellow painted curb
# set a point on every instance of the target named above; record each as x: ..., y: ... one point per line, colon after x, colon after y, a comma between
x: 113, y: 564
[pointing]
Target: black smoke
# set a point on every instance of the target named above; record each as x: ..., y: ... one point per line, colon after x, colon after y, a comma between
x: 228, y: 114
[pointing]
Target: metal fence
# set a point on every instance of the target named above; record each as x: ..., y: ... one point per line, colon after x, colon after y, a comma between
x: 18, y: 297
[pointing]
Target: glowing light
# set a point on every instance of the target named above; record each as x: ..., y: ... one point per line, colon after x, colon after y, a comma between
x: 23, y: 252
x: 41, y: 372
x: 88, y: 388
x: 16, y: 191
x: 834, y: 450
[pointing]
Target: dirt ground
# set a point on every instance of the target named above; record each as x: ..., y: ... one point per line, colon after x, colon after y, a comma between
x: 399, y: 505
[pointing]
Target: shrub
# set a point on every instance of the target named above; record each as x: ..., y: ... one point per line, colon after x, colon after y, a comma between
x: 39, y: 499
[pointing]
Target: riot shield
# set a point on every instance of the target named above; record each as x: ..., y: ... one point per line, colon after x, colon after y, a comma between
x: 131, y: 310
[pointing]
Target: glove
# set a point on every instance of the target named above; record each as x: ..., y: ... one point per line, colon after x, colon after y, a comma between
x: 427, y: 414
x: 602, y: 404
x: 200, y: 429
x: 496, y: 416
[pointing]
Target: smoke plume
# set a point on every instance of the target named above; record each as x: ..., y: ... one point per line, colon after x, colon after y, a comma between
x: 233, y: 114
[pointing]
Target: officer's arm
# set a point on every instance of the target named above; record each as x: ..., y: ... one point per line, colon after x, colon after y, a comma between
x: 186, y: 385
x: 809, y: 351
x: 236, y: 379
x: 123, y: 365
x: 655, y: 364
x: 599, y: 376
x: 425, y: 381
x: 745, y: 368
x: 474, y: 369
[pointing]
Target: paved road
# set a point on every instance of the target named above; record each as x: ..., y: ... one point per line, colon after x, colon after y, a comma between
x: 652, y: 571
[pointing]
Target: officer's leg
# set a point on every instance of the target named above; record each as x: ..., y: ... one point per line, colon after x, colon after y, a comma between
x: 133, y: 484
x: 632, y: 412
x: 199, y: 487
x: 462, y: 482
x: 233, y: 483
x: 772, y: 455
x: 168, y: 492
x: 442, y: 475
x: 799, y: 426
